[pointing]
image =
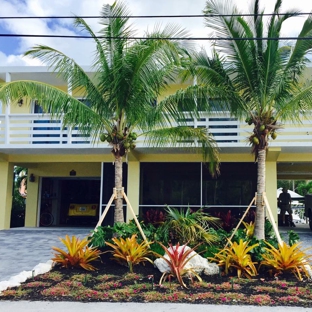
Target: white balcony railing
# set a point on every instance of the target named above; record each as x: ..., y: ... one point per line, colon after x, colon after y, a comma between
x: 29, y: 130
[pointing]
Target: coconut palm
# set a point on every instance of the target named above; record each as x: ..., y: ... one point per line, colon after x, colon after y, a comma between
x: 129, y: 76
x: 256, y: 75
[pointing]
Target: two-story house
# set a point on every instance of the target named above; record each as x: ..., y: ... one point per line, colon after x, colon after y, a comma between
x: 65, y: 168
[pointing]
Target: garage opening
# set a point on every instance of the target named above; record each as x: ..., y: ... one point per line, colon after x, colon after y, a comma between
x: 69, y: 202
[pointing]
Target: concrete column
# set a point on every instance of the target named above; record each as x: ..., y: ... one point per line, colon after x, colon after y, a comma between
x: 133, y: 187
x: 7, y: 113
x: 31, y: 215
x: 6, y: 192
x: 271, y: 186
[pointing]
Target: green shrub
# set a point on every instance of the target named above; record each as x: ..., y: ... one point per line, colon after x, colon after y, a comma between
x: 293, y: 238
x: 104, y: 234
x: 189, y: 226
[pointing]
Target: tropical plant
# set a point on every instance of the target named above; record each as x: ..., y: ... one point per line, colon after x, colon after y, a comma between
x: 78, y: 254
x: 124, y: 230
x: 103, y: 234
x: 227, y: 220
x: 178, y: 257
x: 291, y: 185
x: 304, y: 188
x: 190, y: 226
x: 254, y: 76
x: 268, y: 230
x: 287, y: 259
x: 19, y: 195
x: 259, y: 249
x: 249, y: 228
x: 99, y: 236
x: 129, y: 252
x: 154, y: 216
x: 236, y: 257
x: 293, y: 238
x: 129, y: 75
x: 207, y: 251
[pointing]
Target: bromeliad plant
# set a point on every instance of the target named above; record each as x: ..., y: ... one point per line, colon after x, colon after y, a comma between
x: 287, y: 259
x: 237, y: 257
x: 129, y: 252
x: 249, y: 228
x: 78, y: 254
x: 178, y: 257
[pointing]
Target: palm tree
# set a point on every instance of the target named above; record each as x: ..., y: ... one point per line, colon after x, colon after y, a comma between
x: 129, y: 77
x: 256, y: 75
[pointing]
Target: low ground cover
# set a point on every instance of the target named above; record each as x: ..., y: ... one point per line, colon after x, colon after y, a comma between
x: 112, y: 282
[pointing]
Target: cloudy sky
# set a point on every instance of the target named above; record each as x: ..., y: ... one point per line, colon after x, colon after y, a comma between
x: 12, y: 49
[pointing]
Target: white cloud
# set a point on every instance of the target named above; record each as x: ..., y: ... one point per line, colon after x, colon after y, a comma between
x: 82, y: 50
x: 17, y: 60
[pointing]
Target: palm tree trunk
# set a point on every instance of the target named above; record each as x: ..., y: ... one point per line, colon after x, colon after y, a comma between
x: 118, y: 215
x: 260, y: 208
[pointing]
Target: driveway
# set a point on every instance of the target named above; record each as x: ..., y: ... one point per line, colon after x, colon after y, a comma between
x: 21, y: 249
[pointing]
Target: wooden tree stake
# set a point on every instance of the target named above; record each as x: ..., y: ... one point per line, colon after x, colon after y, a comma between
x: 114, y: 196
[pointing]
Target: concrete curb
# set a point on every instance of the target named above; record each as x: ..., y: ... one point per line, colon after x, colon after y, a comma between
x: 39, y: 306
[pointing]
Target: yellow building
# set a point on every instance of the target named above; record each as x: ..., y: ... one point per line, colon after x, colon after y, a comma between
x: 66, y: 170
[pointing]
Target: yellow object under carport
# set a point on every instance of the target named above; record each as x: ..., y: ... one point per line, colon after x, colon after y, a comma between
x: 80, y: 210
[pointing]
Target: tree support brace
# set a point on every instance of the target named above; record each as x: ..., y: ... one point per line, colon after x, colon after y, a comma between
x: 271, y: 218
x: 113, y: 197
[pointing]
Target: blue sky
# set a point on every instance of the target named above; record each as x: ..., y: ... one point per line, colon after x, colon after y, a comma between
x: 12, y: 49
x: 7, y: 45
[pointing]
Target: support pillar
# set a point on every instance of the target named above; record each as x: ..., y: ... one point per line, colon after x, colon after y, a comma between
x: 271, y: 178
x: 31, y: 213
x: 6, y: 194
x: 271, y: 186
x: 133, y: 187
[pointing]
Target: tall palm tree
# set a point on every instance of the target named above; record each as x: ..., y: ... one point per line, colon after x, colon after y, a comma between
x: 129, y: 77
x: 258, y: 77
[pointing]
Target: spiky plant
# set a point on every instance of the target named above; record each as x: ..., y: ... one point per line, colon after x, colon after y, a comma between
x: 236, y: 257
x: 129, y: 252
x: 78, y: 254
x: 287, y: 259
x: 178, y: 257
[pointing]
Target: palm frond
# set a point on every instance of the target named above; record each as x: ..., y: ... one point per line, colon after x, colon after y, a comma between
x: 298, y: 59
x: 57, y: 102
x: 100, y: 60
x: 187, y: 138
x: 297, y: 106
x: 239, y: 52
x: 71, y: 73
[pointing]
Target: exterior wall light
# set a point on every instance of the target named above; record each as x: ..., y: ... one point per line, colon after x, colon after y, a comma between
x: 32, y: 178
x: 72, y: 173
x: 20, y: 102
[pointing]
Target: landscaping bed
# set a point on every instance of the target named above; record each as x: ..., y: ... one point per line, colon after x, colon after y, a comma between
x: 252, y: 271
x: 112, y: 282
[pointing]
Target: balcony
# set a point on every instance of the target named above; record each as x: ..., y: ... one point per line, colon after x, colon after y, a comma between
x: 37, y: 131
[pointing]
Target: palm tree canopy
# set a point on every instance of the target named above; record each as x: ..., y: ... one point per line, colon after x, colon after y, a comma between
x: 259, y: 75
x: 254, y: 76
x: 129, y: 77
